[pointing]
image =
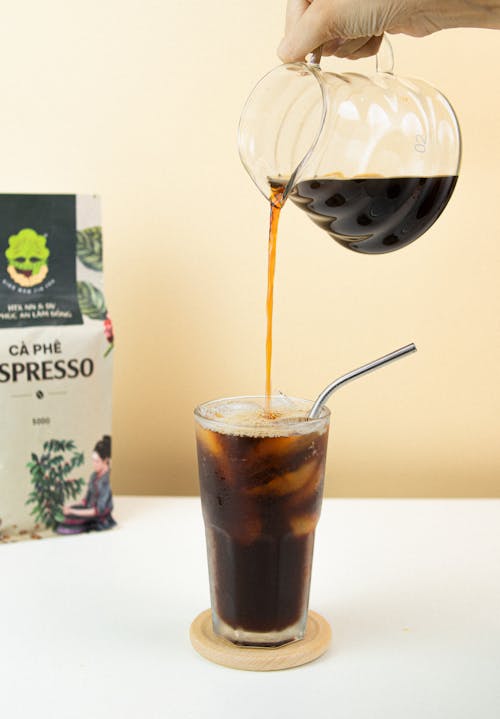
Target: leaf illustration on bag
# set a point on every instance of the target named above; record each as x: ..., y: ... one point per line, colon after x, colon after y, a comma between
x: 51, y: 484
x: 91, y: 301
x: 89, y: 247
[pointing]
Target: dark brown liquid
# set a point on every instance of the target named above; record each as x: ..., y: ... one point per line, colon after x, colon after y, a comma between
x: 276, y: 203
x: 261, y: 500
x: 374, y: 214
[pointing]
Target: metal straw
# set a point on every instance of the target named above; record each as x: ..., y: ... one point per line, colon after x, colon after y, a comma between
x: 325, y: 395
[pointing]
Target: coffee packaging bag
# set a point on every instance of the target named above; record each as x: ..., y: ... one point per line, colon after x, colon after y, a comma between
x: 56, y: 342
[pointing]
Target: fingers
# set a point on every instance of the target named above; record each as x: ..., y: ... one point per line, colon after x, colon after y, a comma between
x: 345, y: 28
x: 356, y: 49
x: 347, y: 48
x: 294, y: 11
x: 352, y: 49
x: 306, y: 31
x: 371, y: 47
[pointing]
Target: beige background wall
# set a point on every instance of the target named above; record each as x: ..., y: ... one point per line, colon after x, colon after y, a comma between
x: 139, y: 100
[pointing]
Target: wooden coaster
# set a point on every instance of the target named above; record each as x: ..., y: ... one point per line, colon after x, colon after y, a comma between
x: 209, y: 645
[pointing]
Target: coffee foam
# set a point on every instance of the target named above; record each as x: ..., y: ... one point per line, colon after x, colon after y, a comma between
x: 251, y: 419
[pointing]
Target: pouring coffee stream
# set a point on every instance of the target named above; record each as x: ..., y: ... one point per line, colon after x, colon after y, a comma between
x: 276, y: 203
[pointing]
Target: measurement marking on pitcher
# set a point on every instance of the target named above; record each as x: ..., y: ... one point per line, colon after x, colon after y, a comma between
x: 420, y: 143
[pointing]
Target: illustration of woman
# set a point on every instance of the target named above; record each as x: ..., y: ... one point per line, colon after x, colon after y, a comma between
x: 94, y: 512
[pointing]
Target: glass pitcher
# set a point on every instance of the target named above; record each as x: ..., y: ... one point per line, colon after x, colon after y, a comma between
x: 372, y: 160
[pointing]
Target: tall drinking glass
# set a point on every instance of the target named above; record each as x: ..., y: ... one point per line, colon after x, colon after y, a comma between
x: 261, y: 471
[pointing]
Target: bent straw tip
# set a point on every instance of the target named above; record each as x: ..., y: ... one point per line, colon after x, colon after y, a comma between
x: 325, y: 395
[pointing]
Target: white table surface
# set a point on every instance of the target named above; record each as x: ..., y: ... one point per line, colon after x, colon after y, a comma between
x: 98, y: 625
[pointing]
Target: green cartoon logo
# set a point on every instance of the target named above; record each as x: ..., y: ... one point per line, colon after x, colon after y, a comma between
x: 27, y: 256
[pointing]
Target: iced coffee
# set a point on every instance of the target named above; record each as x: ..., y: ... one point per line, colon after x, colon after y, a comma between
x: 261, y: 469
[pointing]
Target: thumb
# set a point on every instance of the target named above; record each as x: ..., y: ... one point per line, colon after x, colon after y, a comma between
x: 309, y: 32
x: 294, y: 11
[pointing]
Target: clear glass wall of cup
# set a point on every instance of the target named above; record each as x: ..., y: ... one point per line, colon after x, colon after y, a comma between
x: 373, y: 160
x: 261, y: 482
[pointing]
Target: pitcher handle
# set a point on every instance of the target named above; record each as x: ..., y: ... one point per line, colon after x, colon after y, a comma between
x: 384, y: 59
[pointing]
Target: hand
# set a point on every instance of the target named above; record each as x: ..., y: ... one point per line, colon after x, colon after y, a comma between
x: 67, y: 509
x: 354, y: 28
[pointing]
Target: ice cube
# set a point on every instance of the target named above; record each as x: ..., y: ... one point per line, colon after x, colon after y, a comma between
x: 289, y: 482
x: 303, y: 524
x: 284, y: 403
x: 249, y: 529
x: 209, y: 441
x: 243, y: 413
